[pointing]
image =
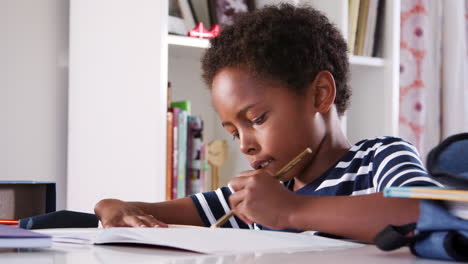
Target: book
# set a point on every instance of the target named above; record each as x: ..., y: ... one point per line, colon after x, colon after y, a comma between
x: 194, y: 157
x: 204, y: 240
x: 15, y: 237
x: 377, y: 49
x: 202, y: 12
x: 182, y: 143
x: 175, y: 150
x: 204, y: 181
x: 361, y: 27
x: 370, y: 28
x: 169, y: 150
x: 454, y: 200
x: 353, y: 13
x: 183, y: 105
x: 187, y: 13
x: 188, y: 164
x: 182, y: 153
x: 435, y: 193
x: 176, y: 23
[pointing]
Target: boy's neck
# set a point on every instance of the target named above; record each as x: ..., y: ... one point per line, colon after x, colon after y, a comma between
x: 333, y: 146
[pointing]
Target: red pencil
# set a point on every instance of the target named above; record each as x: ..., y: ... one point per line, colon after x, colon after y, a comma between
x: 8, y: 222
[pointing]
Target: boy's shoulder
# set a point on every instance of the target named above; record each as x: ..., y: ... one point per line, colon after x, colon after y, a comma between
x: 384, y: 142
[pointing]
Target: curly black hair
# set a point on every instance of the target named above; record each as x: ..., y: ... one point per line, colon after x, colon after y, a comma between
x: 283, y: 43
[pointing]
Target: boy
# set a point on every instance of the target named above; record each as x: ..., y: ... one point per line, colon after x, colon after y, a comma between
x: 278, y: 80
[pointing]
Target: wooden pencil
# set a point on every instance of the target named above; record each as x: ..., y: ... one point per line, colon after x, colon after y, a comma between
x: 277, y: 176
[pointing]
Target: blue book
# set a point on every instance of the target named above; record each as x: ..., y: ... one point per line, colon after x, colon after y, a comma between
x: 15, y: 237
x: 182, y: 140
x: 434, y: 193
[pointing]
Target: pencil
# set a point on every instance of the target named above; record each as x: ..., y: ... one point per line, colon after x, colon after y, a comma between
x: 277, y: 176
x: 8, y: 222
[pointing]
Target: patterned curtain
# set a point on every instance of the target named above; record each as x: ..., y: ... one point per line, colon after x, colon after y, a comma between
x: 433, y: 71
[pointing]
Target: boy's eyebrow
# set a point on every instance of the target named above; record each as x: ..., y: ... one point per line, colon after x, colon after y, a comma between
x: 243, y: 110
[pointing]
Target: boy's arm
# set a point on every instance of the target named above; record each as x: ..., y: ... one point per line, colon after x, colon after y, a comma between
x: 112, y: 212
x: 359, y: 217
x: 260, y: 198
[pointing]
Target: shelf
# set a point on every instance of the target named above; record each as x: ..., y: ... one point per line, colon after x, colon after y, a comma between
x: 188, y: 41
x: 182, y: 42
x: 366, y: 61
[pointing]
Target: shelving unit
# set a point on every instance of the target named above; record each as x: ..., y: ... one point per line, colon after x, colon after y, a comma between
x: 188, y: 42
x: 366, y: 61
x: 113, y: 155
x: 190, y: 45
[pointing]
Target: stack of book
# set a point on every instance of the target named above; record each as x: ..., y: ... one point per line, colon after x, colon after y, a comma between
x: 365, y: 26
x: 186, y: 164
x: 456, y: 200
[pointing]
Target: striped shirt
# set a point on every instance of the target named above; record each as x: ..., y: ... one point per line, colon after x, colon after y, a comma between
x: 368, y: 167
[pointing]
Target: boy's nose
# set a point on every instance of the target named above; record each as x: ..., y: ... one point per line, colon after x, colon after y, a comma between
x: 250, y: 151
x: 248, y: 145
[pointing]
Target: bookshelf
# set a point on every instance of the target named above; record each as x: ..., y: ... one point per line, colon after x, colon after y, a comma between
x: 366, y: 61
x: 185, y: 42
x: 117, y: 117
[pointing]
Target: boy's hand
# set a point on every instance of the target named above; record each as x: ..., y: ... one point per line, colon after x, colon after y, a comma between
x: 262, y: 199
x: 117, y: 213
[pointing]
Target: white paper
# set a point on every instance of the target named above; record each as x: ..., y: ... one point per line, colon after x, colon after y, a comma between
x: 203, y: 240
x: 221, y: 240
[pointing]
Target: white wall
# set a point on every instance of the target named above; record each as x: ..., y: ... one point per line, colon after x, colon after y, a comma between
x: 33, y: 91
x: 117, y: 101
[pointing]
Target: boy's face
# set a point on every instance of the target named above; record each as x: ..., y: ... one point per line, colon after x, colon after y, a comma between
x: 271, y: 123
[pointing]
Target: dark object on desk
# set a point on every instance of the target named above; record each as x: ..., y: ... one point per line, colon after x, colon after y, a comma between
x: 21, y: 199
x: 441, y: 231
x: 60, y: 219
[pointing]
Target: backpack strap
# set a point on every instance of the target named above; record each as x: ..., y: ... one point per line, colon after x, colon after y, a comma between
x: 394, y: 237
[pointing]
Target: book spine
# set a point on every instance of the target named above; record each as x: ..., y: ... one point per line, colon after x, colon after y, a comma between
x: 196, y: 162
x: 182, y: 157
x: 353, y: 13
x: 187, y: 14
x: 370, y: 28
x: 188, y: 168
x: 361, y: 27
x: 202, y: 169
x: 175, y: 152
x: 378, y: 35
x: 169, y: 157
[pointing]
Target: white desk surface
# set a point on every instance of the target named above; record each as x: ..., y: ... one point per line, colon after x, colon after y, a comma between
x: 103, y: 254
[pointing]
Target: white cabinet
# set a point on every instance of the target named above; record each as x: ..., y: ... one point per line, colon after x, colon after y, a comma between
x: 117, y: 101
x: 120, y: 61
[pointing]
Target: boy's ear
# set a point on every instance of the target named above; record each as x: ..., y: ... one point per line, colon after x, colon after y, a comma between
x: 324, y: 91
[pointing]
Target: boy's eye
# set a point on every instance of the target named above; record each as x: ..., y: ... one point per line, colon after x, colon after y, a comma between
x: 235, y: 136
x: 259, y: 120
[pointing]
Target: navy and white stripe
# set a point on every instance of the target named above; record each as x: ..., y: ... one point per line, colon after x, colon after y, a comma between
x: 214, y: 204
x: 368, y: 167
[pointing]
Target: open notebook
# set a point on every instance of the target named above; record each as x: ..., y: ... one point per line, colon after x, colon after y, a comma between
x: 203, y: 240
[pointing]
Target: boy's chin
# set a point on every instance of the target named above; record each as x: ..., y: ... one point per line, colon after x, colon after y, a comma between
x: 286, y: 178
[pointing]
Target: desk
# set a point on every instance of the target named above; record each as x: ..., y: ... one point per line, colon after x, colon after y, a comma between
x: 104, y: 254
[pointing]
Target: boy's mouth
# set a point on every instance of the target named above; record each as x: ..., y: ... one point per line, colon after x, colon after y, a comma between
x: 260, y: 164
